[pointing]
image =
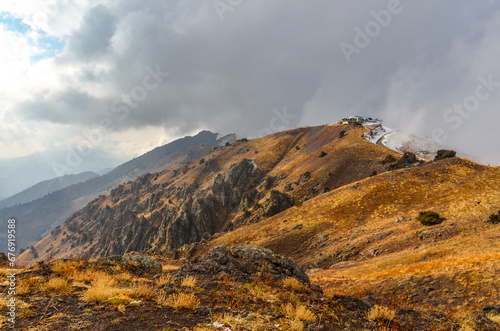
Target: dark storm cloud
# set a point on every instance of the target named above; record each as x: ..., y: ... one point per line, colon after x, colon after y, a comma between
x: 228, y: 75
x: 93, y: 37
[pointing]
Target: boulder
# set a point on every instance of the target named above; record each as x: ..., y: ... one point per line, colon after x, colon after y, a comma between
x: 138, y: 263
x: 243, y: 263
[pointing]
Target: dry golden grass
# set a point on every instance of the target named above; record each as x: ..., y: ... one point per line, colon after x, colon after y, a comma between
x: 161, y: 298
x: 4, y: 272
x: 381, y: 313
x: 251, y: 321
x: 4, y: 302
x: 106, y: 289
x: 110, y: 289
x: 299, y: 312
x: 178, y: 301
x: 143, y: 291
x: 291, y: 283
x: 296, y: 325
x: 65, y: 269
x: 58, y: 285
x: 494, y: 317
x: 169, y: 267
x: 261, y: 292
x: 101, y: 294
x: 125, y: 276
x: 189, y: 281
x: 29, y: 285
x: 164, y: 279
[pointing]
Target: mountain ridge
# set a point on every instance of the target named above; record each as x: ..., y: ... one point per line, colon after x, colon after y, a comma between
x: 41, y: 189
x: 42, y: 215
x: 163, y: 211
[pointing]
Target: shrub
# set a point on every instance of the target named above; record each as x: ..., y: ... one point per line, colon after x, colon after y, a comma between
x: 374, y: 173
x: 270, y: 182
x: 407, y: 159
x: 494, y: 218
x: 444, y: 154
x: 34, y: 252
x: 342, y: 134
x: 322, y: 154
x: 429, y: 218
x: 389, y: 159
x: 229, y: 226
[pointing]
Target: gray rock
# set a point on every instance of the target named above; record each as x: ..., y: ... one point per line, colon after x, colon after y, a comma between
x: 243, y: 263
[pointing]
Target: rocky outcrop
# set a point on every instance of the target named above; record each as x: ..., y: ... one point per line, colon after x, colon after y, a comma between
x: 245, y: 264
x: 136, y: 263
x: 277, y: 203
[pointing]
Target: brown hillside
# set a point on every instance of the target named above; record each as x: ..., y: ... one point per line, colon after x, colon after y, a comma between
x: 164, y: 211
x: 364, y: 237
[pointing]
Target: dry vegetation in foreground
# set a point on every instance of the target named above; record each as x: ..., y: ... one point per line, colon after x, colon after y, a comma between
x: 70, y: 294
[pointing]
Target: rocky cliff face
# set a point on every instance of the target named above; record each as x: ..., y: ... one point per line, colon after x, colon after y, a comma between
x: 198, y: 211
x: 238, y: 184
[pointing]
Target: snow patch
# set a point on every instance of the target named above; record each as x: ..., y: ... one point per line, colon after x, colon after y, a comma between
x: 402, y: 142
x: 254, y: 165
x: 377, y: 131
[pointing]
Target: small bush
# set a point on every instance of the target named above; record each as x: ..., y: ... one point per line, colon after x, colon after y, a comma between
x: 444, y: 154
x: 374, y: 173
x: 229, y: 226
x: 342, y: 134
x: 494, y: 218
x: 389, y: 159
x: 429, y: 218
x: 406, y: 160
x: 322, y: 154
x: 269, y: 182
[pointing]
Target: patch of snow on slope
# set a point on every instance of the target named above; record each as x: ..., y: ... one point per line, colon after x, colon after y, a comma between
x: 254, y: 165
x: 404, y: 142
x: 377, y: 131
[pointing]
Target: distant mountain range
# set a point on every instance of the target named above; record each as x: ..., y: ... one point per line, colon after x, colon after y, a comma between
x: 18, y: 174
x: 37, y: 218
x: 46, y: 187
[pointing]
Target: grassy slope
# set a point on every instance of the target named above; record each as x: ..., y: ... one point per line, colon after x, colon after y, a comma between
x: 356, y: 223
x: 286, y: 155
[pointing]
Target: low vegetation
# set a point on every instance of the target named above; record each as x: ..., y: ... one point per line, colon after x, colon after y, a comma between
x: 444, y: 154
x: 429, y: 218
x: 494, y: 218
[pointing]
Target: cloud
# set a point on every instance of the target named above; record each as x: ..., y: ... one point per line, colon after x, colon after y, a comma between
x: 93, y: 37
x: 263, y: 59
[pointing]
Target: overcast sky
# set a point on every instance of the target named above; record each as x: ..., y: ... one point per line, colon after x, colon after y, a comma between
x: 126, y: 76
